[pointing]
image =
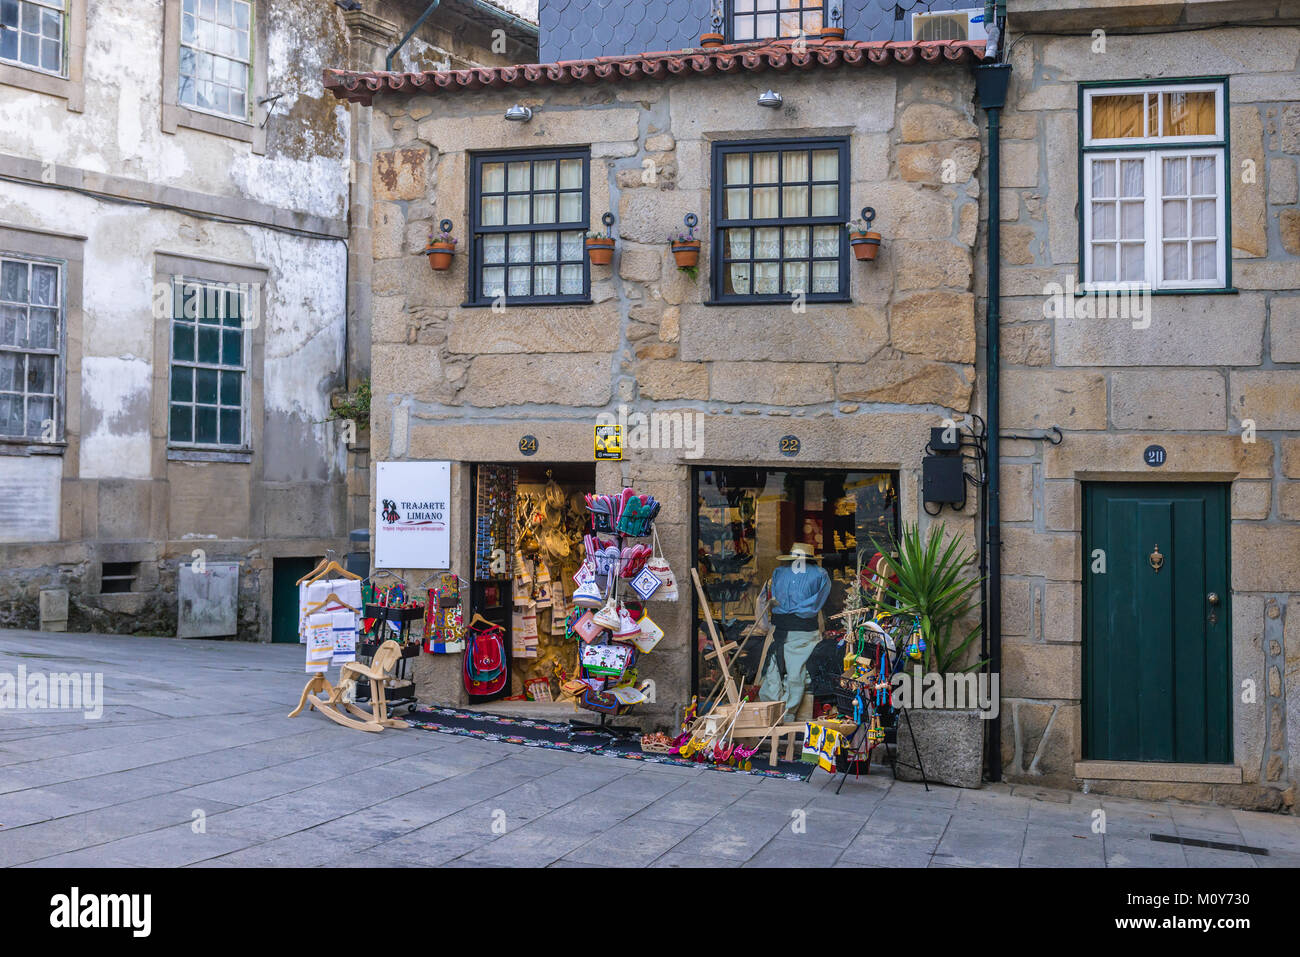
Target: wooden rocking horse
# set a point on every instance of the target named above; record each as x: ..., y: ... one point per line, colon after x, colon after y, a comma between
x: 379, y: 671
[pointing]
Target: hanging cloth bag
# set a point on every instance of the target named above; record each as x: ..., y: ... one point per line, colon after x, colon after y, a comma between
x: 658, y: 565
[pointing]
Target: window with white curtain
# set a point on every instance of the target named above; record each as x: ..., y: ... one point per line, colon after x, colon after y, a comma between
x: 768, y: 19
x: 528, y: 213
x: 779, y: 209
x: 1154, y: 186
x: 31, y: 348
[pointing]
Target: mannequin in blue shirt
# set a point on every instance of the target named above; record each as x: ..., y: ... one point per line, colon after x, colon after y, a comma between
x: 799, y: 589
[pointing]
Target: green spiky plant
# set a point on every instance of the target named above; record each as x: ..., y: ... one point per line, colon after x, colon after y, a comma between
x: 935, y: 585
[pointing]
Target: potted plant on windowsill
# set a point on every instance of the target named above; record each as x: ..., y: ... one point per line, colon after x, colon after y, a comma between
x: 440, y: 249
x: 865, y: 242
x: 936, y: 589
x: 600, y: 248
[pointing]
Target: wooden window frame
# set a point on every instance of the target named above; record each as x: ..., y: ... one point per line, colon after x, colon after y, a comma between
x: 1154, y: 150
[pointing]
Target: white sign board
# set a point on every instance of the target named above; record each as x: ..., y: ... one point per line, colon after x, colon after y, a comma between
x: 413, y: 515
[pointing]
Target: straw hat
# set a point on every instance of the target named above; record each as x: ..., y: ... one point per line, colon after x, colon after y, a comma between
x: 799, y: 550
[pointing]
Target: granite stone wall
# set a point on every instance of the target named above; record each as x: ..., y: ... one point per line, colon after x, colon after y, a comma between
x: 1206, y: 364
x: 860, y: 382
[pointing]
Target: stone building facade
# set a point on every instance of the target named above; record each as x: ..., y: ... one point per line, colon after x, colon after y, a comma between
x: 1199, y: 396
x: 860, y: 381
x: 1211, y: 378
x: 147, y: 145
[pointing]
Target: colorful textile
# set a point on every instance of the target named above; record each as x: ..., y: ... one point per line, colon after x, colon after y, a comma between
x: 822, y: 746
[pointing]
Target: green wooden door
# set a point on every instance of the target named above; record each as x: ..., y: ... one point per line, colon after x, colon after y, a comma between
x: 1157, y: 669
x: 284, y: 596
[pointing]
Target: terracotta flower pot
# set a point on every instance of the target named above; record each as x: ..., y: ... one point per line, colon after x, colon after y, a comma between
x: 600, y: 250
x: 865, y: 245
x: 440, y: 255
x: 832, y: 33
x: 686, y: 252
x: 712, y: 39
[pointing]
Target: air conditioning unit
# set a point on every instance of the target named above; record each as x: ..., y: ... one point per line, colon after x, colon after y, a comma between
x: 949, y: 25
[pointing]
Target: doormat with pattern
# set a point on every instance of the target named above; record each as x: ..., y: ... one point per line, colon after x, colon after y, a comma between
x: 531, y: 733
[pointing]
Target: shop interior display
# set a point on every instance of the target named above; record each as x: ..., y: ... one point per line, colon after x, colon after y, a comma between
x: 747, y: 517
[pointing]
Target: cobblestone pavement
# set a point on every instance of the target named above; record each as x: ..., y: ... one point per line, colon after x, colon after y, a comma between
x: 196, y: 730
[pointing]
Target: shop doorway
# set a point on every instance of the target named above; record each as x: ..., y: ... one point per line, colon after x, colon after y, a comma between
x: 535, y: 514
x: 1157, y: 667
x: 284, y: 597
x: 746, y: 518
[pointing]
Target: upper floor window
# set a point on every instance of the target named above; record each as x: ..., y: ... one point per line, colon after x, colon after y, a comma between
x: 31, y: 342
x: 1154, y: 186
x: 32, y: 34
x: 216, y: 56
x: 528, y: 212
x: 779, y: 209
x: 766, y: 19
x: 207, y: 389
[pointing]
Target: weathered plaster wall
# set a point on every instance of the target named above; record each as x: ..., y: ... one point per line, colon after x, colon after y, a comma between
x: 122, y: 498
x: 1187, y: 382
x: 860, y: 383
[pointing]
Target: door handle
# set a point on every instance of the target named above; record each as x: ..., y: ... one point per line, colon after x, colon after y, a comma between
x: 1213, y: 599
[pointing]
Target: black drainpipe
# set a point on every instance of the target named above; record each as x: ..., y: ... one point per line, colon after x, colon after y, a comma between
x: 991, y: 88
x: 388, y: 62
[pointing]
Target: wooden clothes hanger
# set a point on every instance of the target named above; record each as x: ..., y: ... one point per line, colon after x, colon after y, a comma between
x: 330, y: 566
x: 479, y: 618
x: 331, y: 597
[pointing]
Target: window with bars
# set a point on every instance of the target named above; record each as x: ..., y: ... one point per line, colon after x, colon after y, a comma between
x: 766, y: 19
x: 779, y: 210
x: 208, y: 364
x: 31, y: 345
x: 32, y: 34
x: 216, y: 56
x: 528, y: 214
x: 1154, y: 189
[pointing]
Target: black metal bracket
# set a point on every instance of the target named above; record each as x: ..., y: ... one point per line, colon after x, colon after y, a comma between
x: 1034, y: 438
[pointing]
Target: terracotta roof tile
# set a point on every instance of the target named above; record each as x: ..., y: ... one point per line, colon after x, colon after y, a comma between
x: 776, y: 55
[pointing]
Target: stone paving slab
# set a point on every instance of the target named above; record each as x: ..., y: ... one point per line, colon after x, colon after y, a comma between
x: 124, y: 791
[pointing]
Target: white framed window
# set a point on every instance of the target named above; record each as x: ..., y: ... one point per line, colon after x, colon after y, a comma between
x: 33, y: 34
x: 1154, y: 187
x: 216, y: 56
x: 31, y: 348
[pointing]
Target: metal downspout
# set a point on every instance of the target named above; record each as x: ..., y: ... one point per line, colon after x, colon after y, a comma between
x: 991, y: 87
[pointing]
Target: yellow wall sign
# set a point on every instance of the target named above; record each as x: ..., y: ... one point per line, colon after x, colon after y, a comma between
x: 609, y: 443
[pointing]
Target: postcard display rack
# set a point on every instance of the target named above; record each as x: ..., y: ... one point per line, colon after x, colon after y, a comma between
x: 619, y: 575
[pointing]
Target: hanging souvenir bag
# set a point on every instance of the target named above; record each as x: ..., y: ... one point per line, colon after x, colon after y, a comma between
x: 607, y: 660
x: 658, y: 566
x: 586, y: 628
x: 602, y: 702
x: 485, y: 661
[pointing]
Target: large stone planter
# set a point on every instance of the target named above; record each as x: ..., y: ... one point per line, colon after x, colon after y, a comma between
x: 951, y: 743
